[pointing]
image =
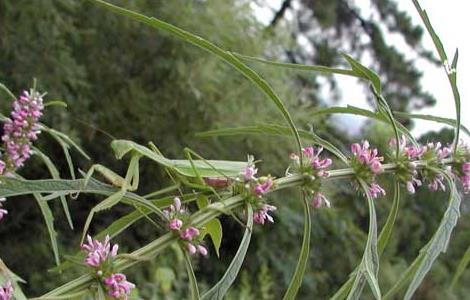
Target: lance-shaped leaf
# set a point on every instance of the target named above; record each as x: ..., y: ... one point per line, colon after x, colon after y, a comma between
x: 296, y: 280
x: 220, y: 289
x: 430, y: 252
x: 226, y: 56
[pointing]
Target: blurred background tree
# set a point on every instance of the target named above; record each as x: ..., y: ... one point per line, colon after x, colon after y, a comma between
x: 124, y: 80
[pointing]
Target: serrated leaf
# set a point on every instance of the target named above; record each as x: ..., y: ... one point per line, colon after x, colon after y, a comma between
x: 296, y: 280
x: 218, y: 291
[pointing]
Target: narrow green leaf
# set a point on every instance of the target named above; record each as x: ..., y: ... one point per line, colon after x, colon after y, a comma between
x: 49, y: 220
x: 192, y: 278
x: 55, y: 103
x: 386, y: 231
x: 213, y: 227
x: 447, y: 121
x: 364, y: 72
x: 274, y: 130
x: 7, y: 91
x: 57, y: 135
x: 451, y: 74
x: 439, y: 241
x: 461, y: 268
x: 211, y: 48
x: 218, y: 291
x: 349, y: 109
x: 321, y: 69
x: 296, y: 280
x: 369, y: 266
x: 55, y: 174
x: 384, y: 237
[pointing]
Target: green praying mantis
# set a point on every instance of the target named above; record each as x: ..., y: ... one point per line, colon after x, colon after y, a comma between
x: 189, y: 173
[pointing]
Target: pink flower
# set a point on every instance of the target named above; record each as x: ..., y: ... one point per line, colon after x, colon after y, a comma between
x: 367, y: 156
x: 189, y: 233
x: 202, y: 250
x: 118, y: 287
x: 466, y: 183
x: 308, y: 151
x: 466, y: 168
x: 98, y: 252
x: 175, y: 224
x: 320, y: 200
x: 441, y: 152
x: 436, y: 183
x: 263, y: 188
x: 376, y: 190
x: 261, y: 215
x: 174, y: 210
x: 3, y: 211
x: 191, y: 249
x: 249, y: 173
x: 6, y: 291
x: 410, y: 185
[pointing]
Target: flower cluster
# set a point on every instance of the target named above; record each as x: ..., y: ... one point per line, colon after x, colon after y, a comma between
x: 18, y: 133
x: 367, y: 164
x: 314, y: 168
x: 253, y: 189
x: 433, y: 155
x: 461, y: 165
x: 100, y: 256
x: 406, y: 171
x: 177, y: 217
x: 6, y: 291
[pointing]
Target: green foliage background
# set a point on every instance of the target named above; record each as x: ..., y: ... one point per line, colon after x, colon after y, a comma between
x: 124, y: 80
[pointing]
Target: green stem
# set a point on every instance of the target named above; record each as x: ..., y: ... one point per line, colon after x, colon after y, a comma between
x: 200, y: 218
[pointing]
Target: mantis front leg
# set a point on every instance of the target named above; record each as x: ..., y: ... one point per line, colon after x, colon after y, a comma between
x: 129, y: 183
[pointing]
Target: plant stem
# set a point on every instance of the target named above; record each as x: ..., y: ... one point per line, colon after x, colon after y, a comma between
x: 200, y: 218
